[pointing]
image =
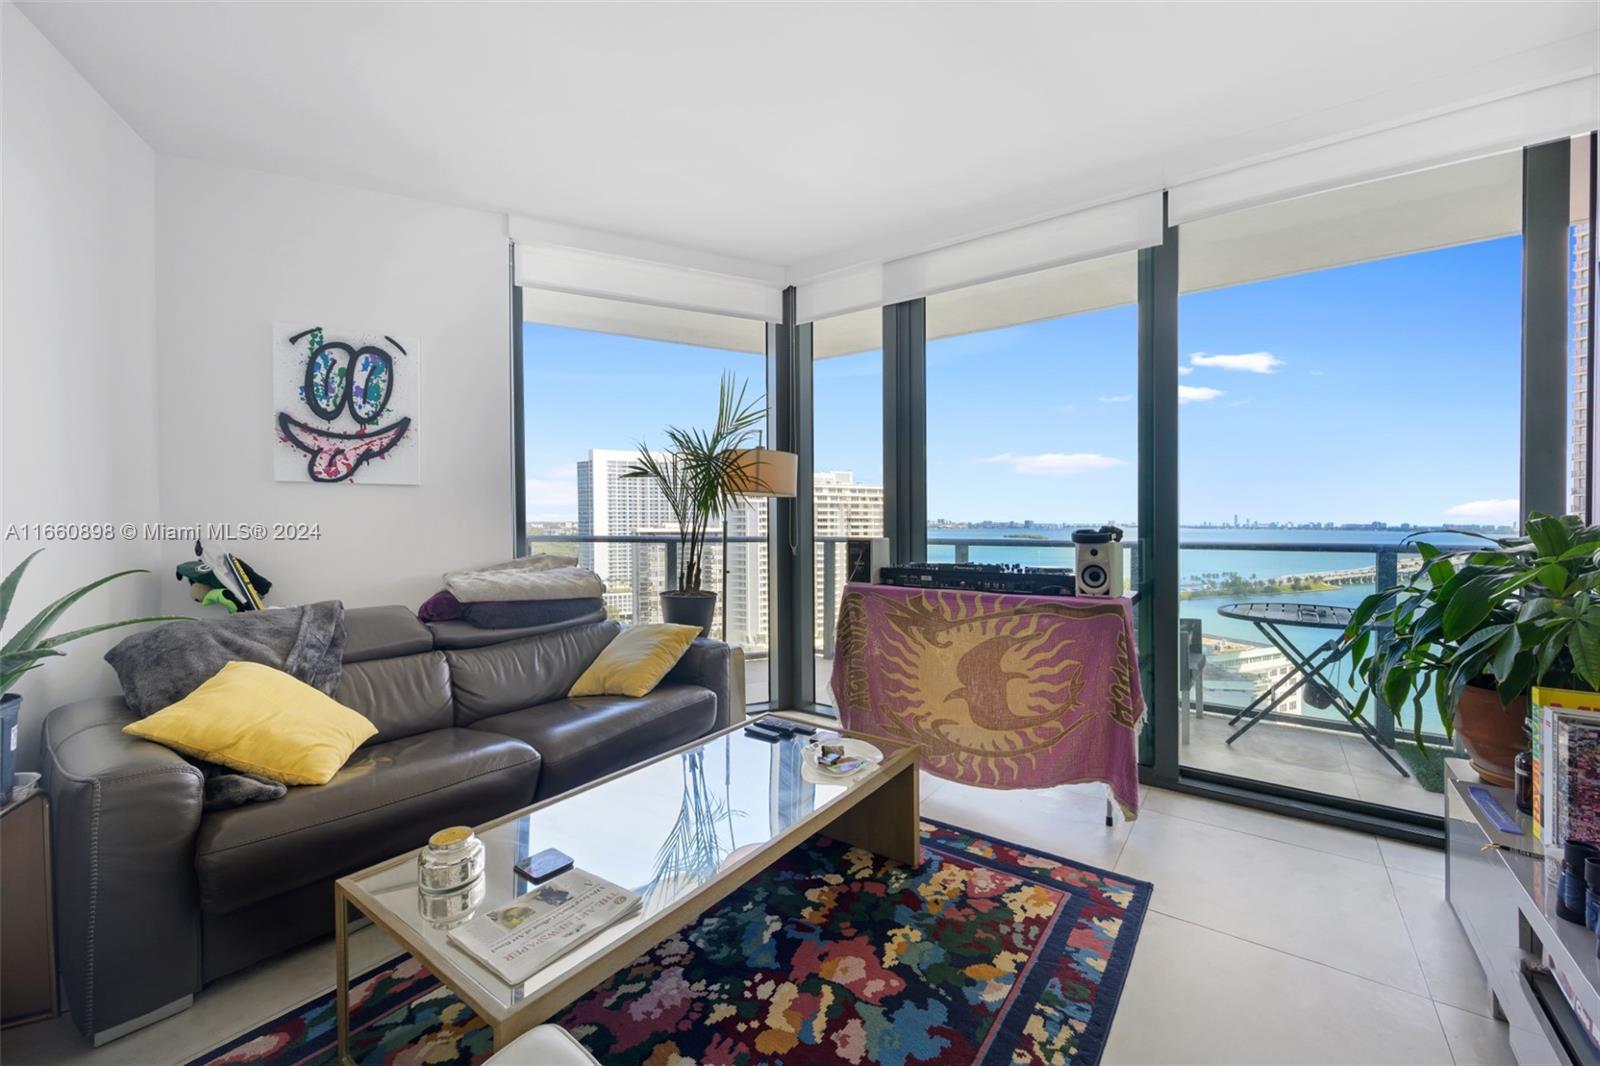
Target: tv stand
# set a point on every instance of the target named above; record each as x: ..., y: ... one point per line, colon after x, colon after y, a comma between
x: 1503, y: 891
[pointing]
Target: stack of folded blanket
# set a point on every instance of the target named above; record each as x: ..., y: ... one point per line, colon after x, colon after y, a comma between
x: 539, y: 590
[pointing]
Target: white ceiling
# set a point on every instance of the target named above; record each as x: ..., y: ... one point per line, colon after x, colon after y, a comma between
x: 800, y: 135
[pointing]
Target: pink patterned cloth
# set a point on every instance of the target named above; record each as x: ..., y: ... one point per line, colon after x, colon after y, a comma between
x: 995, y: 690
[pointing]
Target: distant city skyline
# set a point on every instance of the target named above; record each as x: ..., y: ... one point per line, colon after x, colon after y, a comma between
x: 1300, y: 398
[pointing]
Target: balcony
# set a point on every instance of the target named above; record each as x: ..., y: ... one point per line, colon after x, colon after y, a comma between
x: 1298, y: 746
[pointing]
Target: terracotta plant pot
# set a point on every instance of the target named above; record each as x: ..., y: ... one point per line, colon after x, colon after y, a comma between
x: 690, y: 609
x: 1492, y: 734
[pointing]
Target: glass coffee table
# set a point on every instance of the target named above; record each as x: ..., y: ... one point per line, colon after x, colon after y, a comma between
x: 684, y: 830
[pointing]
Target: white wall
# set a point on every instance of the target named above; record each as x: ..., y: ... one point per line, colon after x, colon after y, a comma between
x: 238, y: 250
x: 79, y: 397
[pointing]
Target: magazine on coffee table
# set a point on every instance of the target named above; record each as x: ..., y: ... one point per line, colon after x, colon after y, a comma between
x: 538, y: 927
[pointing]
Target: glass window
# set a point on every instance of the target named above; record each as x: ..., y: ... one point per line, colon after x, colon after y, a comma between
x: 1350, y: 373
x: 1032, y: 419
x: 847, y: 482
x: 600, y: 377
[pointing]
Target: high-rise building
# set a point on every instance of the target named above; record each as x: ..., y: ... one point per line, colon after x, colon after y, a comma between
x: 611, y: 505
x: 1578, y: 348
x: 842, y: 508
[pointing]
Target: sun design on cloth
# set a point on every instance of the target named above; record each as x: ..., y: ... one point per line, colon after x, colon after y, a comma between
x: 972, y: 683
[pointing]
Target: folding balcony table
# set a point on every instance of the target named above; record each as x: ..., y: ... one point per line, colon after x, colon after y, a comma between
x: 1270, y: 618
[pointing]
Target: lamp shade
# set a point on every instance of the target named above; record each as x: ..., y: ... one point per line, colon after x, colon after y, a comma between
x: 764, y: 472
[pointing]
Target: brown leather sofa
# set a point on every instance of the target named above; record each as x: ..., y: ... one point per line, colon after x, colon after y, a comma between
x: 156, y: 897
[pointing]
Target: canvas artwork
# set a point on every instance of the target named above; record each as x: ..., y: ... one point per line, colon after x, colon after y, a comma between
x: 346, y: 406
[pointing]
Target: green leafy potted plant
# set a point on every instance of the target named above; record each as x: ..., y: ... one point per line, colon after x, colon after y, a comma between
x: 702, y: 476
x: 1478, y: 627
x: 30, y: 645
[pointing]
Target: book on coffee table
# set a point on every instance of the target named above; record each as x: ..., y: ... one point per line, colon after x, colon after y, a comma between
x: 538, y: 927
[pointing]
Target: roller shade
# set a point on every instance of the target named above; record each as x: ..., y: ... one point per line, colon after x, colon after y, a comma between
x: 1079, y: 236
x: 1532, y: 117
x: 564, y: 259
x: 628, y: 318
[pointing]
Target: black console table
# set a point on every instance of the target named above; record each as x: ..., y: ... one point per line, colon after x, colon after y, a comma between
x: 1503, y: 892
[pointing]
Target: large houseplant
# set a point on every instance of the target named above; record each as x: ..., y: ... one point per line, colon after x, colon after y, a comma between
x: 702, y: 476
x: 31, y: 644
x: 1476, y: 628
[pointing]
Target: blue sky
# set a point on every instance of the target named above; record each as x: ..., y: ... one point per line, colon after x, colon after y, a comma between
x: 1308, y: 398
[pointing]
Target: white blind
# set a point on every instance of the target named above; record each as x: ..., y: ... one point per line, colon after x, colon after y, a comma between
x: 1080, y: 236
x: 1531, y: 117
x: 565, y: 259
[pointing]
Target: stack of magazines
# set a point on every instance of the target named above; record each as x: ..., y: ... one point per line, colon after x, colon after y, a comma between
x: 538, y: 927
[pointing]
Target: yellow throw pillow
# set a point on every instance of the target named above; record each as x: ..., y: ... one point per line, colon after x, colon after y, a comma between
x: 261, y: 721
x: 636, y: 661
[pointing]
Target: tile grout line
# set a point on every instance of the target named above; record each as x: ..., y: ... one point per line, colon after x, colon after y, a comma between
x: 1297, y: 955
x: 1412, y: 940
x: 1275, y: 840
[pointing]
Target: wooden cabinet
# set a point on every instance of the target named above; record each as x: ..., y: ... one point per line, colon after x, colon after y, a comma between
x: 28, y: 962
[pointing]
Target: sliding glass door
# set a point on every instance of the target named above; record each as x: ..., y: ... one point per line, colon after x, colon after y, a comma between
x: 1350, y: 376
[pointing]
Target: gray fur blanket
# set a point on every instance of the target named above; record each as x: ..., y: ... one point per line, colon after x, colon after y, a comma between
x: 160, y: 666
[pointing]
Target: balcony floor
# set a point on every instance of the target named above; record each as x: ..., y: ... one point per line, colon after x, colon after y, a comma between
x: 1317, y: 760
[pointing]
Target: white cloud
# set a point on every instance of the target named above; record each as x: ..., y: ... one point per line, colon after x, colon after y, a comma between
x: 1250, y: 362
x: 1121, y: 397
x: 1053, y: 463
x: 551, y: 499
x: 1490, y: 512
x: 1186, y: 370
x: 1197, y: 393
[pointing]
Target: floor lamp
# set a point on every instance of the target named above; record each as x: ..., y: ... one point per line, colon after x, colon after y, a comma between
x: 757, y: 472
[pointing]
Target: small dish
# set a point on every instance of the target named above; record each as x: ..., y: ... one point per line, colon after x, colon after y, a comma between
x: 859, y: 753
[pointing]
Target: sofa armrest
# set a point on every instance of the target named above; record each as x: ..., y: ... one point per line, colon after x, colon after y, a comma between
x: 124, y: 813
x: 709, y: 663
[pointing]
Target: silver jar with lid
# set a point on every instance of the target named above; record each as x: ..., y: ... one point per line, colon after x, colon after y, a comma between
x: 452, y: 860
x: 442, y: 910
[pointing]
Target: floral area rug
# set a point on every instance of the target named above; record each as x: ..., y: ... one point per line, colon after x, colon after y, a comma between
x: 986, y: 953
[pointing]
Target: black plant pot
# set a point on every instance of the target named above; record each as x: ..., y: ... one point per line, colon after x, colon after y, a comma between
x: 690, y: 609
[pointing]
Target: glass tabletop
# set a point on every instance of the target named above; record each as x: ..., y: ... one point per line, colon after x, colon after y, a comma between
x: 665, y: 829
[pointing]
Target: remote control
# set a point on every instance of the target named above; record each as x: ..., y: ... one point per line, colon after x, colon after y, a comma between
x: 1493, y: 811
x: 790, y: 729
x: 761, y: 732
x: 543, y: 866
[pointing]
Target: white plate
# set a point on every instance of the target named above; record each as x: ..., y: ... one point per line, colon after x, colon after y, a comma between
x: 859, y: 749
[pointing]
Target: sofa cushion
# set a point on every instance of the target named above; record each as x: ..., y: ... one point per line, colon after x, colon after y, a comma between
x: 403, y: 696
x: 387, y: 800
x: 382, y: 633
x: 523, y: 673
x: 586, y: 737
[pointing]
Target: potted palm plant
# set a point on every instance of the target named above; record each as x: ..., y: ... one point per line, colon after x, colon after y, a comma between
x: 30, y: 645
x: 702, y: 475
x: 1476, y: 628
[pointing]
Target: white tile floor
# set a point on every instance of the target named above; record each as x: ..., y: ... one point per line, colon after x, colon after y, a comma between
x: 1269, y: 941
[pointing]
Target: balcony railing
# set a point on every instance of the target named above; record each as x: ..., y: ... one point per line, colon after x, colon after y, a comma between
x: 1387, y: 563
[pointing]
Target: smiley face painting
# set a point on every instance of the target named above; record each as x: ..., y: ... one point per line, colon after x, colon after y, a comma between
x: 345, y: 406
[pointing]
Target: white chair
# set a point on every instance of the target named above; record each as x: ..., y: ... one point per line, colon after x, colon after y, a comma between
x: 543, y: 1045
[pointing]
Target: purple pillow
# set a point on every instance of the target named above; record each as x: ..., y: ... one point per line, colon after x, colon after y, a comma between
x: 440, y: 607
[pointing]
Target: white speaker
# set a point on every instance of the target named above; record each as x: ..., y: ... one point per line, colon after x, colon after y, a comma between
x: 1099, y: 571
